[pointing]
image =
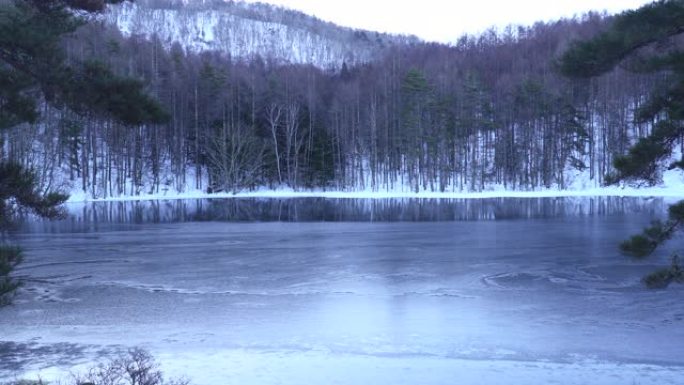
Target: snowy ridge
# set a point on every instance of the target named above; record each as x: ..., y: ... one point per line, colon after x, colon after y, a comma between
x: 248, y: 31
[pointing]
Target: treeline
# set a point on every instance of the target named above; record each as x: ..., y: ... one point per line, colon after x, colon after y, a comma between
x: 490, y: 110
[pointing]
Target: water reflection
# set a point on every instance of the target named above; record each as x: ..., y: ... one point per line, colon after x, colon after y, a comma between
x: 86, y: 216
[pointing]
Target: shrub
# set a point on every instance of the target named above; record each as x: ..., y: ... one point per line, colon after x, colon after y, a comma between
x: 135, y: 367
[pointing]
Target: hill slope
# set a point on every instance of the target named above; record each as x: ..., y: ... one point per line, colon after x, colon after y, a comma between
x: 248, y: 30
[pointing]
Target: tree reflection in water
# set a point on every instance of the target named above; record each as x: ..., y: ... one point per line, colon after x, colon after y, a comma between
x: 85, y: 216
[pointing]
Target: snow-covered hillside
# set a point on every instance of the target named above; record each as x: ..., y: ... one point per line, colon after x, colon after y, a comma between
x: 248, y: 30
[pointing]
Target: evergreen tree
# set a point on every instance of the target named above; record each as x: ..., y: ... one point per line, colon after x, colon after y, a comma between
x: 643, y: 40
x: 34, y: 70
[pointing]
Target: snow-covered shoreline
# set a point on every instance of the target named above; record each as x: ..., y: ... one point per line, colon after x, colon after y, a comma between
x: 665, y: 192
x: 315, y: 367
x: 672, y: 186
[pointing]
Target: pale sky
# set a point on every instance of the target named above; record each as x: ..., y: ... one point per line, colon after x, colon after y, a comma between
x: 446, y: 20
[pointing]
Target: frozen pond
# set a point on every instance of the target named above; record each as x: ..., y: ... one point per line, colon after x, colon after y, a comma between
x: 495, y: 291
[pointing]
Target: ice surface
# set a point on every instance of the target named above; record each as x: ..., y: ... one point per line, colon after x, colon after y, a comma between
x: 514, y: 291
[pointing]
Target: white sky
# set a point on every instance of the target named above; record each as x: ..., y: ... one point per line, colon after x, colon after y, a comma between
x: 446, y: 20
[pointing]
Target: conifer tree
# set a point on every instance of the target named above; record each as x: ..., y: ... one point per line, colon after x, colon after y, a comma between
x: 34, y: 70
x: 643, y: 40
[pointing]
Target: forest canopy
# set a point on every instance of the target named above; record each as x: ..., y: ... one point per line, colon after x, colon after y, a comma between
x: 490, y: 110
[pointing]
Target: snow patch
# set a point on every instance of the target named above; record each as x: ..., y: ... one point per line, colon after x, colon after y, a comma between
x: 672, y: 186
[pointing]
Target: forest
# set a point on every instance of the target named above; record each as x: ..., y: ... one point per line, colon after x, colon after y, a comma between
x: 488, y: 110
